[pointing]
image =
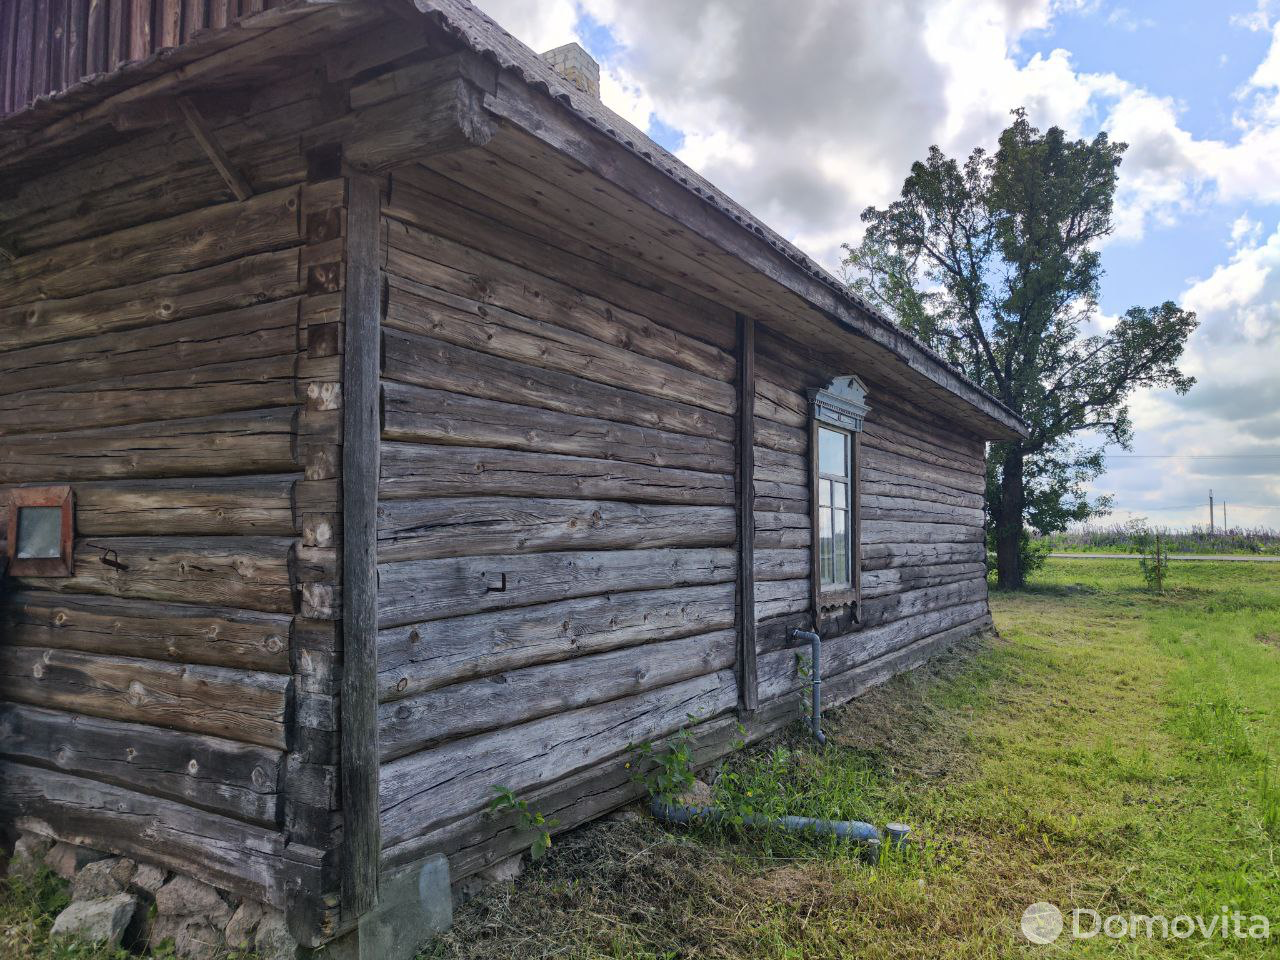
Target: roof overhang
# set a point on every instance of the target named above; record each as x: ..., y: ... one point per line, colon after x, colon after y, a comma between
x: 528, y: 96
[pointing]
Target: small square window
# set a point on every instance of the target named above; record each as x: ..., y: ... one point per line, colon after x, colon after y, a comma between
x: 40, y: 532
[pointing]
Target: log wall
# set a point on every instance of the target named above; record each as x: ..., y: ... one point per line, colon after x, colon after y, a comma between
x: 557, y: 523
x: 173, y: 354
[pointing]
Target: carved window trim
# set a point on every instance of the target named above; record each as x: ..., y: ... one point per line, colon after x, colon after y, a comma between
x: 62, y: 565
x: 840, y: 406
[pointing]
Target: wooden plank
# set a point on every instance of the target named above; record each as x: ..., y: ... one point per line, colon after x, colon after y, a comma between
x: 178, y: 633
x: 235, y: 704
x: 251, y: 573
x: 422, y: 470
x: 434, y: 416
x: 97, y: 37
x: 476, y: 526
x: 469, y: 708
x: 139, y: 29
x: 73, y: 45
x: 748, y: 695
x: 418, y: 657
x: 118, y: 39
x: 362, y: 311
x: 194, y: 14
x: 260, y: 441
x: 237, y: 284
x: 247, y: 860
x: 208, y: 140
x: 23, y: 53
x: 235, y: 779
x: 41, y: 67
x: 417, y: 590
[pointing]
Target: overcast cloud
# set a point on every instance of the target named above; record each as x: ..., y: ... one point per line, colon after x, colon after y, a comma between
x: 808, y: 112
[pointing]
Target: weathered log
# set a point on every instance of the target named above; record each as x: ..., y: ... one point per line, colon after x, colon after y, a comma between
x: 245, y: 859
x: 426, y: 362
x: 266, y: 330
x: 476, y: 275
x: 418, y: 657
x: 502, y: 221
x: 225, y: 506
x: 260, y: 441
x: 421, y: 470
x: 467, y: 526
x: 779, y: 673
x: 425, y: 310
x: 227, y: 286
x: 881, y: 556
x: 897, y: 531
x: 235, y: 704
x: 503, y: 700
x: 252, y: 573
x: 431, y: 589
x: 179, y: 244
x: 427, y: 788
x: 415, y: 414
x: 200, y: 391
x: 223, y: 776
x: 180, y: 633
x: 438, y: 119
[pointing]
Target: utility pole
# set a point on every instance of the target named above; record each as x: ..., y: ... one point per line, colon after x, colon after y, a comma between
x: 1211, y: 511
x: 1225, y: 528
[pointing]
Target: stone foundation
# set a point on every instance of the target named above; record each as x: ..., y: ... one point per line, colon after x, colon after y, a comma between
x: 112, y: 897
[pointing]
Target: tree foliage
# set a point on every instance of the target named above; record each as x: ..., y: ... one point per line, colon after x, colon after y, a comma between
x: 995, y: 264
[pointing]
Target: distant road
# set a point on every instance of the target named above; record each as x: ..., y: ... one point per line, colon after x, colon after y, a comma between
x: 1225, y: 558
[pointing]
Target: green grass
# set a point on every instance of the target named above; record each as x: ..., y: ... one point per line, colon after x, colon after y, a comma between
x: 1114, y: 750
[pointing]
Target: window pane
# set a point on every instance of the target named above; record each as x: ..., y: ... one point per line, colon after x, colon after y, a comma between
x: 831, y: 451
x: 824, y: 493
x: 826, y: 547
x: 840, y: 496
x: 39, y: 532
x: 840, y: 545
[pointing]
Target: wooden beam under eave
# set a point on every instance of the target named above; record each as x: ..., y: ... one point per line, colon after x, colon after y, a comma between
x: 208, y: 141
x: 423, y: 123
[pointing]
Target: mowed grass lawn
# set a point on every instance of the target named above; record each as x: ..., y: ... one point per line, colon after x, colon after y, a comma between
x: 1113, y: 750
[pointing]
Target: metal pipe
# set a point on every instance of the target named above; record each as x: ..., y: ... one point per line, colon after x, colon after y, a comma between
x: 853, y: 830
x: 815, y: 655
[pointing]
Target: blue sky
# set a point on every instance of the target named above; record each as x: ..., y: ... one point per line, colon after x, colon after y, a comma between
x: 807, y: 113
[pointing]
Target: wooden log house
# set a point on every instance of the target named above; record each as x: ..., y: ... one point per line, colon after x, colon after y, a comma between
x: 382, y: 419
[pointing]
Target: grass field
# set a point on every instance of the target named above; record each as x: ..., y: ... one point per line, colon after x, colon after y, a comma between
x: 1114, y: 750
x: 1122, y: 538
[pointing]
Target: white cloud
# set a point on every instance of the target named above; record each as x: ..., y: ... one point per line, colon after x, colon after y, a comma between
x: 808, y: 113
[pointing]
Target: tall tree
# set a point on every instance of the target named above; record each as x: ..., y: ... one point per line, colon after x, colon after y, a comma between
x: 995, y: 264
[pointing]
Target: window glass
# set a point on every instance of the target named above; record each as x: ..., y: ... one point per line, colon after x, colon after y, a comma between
x: 835, y: 547
x: 832, y: 457
x: 39, y: 532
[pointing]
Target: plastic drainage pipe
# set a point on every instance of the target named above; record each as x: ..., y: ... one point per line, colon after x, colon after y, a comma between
x: 815, y: 655
x: 852, y: 830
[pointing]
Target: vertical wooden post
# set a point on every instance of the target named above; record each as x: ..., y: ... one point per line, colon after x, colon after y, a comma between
x: 748, y: 689
x: 855, y: 539
x: 361, y: 430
